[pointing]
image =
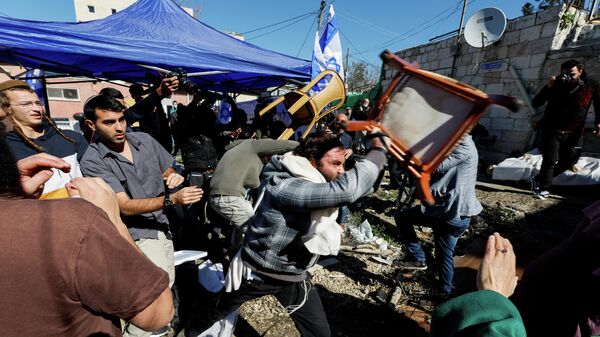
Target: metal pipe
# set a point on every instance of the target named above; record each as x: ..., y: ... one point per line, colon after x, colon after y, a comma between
x: 457, y: 43
x: 462, y: 19
x: 592, y: 9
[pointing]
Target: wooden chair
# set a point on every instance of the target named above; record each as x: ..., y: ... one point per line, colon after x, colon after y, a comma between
x: 425, y: 115
x: 308, y: 110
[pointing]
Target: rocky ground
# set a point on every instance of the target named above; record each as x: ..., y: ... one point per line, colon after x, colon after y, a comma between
x: 364, y: 297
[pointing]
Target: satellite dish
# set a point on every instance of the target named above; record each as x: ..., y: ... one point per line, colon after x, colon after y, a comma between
x: 485, y: 27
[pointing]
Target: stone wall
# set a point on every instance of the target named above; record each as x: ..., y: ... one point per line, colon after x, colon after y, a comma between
x: 534, y: 46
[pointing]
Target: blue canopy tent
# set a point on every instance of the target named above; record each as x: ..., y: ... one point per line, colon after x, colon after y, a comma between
x: 153, y: 33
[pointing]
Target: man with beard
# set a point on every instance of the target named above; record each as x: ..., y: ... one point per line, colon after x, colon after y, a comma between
x: 33, y: 131
x: 569, y: 96
x: 293, y: 226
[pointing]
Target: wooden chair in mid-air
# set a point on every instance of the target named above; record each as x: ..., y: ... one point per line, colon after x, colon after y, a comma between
x: 308, y: 110
x: 425, y: 115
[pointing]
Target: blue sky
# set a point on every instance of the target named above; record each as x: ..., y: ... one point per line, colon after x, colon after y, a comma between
x: 367, y: 27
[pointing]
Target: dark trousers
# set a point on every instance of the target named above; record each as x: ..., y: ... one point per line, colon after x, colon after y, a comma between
x: 445, y: 233
x: 558, y: 154
x: 309, y: 319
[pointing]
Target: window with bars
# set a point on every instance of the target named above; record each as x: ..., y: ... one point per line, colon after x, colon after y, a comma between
x: 63, y: 94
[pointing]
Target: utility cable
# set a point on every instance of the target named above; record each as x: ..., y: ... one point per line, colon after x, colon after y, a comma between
x: 281, y: 22
x: 278, y: 29
x: 417, y: 28
x: 307, y: 35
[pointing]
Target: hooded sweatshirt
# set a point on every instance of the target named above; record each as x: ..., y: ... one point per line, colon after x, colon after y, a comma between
x: 274, y: 242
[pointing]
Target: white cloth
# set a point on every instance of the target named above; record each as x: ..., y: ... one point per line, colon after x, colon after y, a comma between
x: 324, y: 235
x: 528, y: 166
x: 236, y: 273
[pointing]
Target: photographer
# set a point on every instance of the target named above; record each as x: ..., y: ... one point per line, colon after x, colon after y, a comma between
x: 569, y: 96
x: 148, y: 110
x: 194, y: 132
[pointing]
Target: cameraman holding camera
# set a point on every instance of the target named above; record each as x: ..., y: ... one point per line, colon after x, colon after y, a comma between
x: 569, y: 96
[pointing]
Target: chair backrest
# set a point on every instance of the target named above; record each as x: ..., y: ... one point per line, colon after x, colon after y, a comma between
x: 425, y: 115
x: 308, y: 110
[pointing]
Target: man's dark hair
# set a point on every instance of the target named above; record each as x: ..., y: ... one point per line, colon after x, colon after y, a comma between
x: 112, y: 92
x: 570, y: 64
x: 10, y: 179
x: 136, y: 89
x: 316, y: 145
x: 574, y: 63
x: 101, y: 102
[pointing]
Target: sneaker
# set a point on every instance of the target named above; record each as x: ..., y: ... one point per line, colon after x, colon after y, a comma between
x: 536, y: 191
x: 411, y: 265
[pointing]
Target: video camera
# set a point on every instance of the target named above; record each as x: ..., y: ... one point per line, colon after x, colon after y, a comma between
x: 184, y: 82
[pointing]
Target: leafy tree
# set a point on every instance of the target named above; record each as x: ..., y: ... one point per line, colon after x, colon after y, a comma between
x: 527, y: 8
x: 361, y: 76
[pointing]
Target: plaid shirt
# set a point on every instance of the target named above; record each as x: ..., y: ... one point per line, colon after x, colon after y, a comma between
x: 273, y: 242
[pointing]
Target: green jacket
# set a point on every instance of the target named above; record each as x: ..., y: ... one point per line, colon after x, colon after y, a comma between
x: 483, y: 313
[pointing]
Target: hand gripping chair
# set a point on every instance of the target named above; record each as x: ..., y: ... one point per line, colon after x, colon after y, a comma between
x: 307, y: 110
x: 426, y: 115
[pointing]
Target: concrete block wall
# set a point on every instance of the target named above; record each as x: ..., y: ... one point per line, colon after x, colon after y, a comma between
x: 534, y: 46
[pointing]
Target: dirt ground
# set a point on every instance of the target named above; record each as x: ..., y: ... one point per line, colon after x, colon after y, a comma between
x: 361, y: 295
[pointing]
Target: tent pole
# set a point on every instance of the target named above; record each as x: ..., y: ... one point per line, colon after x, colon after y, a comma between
x: 47, y: 100
x: 7, y: 73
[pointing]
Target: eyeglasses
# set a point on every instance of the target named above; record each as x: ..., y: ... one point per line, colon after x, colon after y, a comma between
x: 30, y: 104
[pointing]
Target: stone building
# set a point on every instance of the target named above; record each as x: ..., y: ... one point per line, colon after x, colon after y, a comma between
x: 534, y: 45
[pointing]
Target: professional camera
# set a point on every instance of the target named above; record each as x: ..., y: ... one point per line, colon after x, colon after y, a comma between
x: 184, y: 82
x: 563, y: 78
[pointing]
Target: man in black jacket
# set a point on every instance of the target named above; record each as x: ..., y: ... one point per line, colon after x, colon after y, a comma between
x: 569, y: 96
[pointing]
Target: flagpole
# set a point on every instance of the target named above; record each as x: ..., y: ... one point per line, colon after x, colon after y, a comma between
x: 320, y: 16
x: 347, y: 60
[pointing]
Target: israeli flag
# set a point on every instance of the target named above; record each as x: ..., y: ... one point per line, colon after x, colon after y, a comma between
x: 225, y: 114
x: 33, y: 78
x: 327, y: 53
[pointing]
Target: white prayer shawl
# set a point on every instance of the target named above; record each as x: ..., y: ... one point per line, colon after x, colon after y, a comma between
x: 324, y: 235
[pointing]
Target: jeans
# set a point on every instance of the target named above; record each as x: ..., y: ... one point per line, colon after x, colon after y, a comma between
x: 309, y: 319
x: 446, y: 234
x: 559, y: 153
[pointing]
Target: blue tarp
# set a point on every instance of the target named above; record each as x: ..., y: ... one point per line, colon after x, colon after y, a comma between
x: 149, y: 32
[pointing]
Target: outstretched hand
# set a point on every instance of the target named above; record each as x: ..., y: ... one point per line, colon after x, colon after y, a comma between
x: 379, y: 139
x: 36, y: 170
x: 498, y: 267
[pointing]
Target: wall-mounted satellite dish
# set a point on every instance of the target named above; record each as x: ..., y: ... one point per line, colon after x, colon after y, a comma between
x: 485, y: 27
